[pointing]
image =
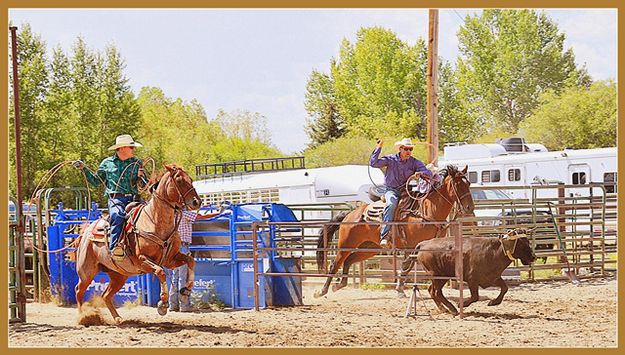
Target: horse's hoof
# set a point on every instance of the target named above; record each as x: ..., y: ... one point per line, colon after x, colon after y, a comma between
x: 401, y: 294
x: 119, y: 320
x: 318, y: 294
x: 162, y: 308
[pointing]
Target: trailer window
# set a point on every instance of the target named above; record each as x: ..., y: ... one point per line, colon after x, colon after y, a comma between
x: 490, y: 176
x: 514, y: 174
x: 472, y: 177
x: 579, y: 178
x: 610, y: 180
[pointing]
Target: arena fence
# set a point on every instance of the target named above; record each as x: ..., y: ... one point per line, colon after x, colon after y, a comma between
x: 574, y: 232
x: 292, y: 245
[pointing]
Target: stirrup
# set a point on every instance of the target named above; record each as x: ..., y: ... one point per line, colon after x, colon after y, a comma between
x: 118, y: 252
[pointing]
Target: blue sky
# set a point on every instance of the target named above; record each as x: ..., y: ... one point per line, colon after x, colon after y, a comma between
x: 259, y: 59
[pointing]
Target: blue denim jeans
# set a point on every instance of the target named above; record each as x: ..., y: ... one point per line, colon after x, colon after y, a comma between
x: 116, y: 212
x: 392, y: 196
x: 177, y: 279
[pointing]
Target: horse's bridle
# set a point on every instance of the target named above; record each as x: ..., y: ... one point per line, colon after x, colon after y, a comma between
x: 181, y: 197
x: 459, y: 199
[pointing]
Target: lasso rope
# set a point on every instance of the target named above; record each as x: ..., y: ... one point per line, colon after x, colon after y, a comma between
x: 45, y: 179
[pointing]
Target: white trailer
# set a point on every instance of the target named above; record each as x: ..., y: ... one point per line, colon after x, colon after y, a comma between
x: 332, y: 185
x: 493, y: 165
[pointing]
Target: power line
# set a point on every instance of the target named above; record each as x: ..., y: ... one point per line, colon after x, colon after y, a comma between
x: 457, y: 14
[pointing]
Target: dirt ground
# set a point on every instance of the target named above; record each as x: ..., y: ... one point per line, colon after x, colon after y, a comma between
x: 550, y: 314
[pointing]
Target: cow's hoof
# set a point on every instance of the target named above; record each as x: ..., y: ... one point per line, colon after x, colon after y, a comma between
x: 337, y: 287
x: 162, y: 308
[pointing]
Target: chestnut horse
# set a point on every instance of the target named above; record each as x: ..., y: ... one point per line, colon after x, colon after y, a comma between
x: 436, y: 206
x: 154, y: 245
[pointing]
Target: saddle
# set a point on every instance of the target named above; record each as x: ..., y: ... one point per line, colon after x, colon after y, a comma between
x: 405, y: 206
x: 100, y: 230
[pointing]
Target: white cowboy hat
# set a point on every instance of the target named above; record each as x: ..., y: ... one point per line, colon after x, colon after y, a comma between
x: 406, y: 142
x: 124, y: 140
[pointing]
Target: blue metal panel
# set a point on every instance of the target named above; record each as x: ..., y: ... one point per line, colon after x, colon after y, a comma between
x: 213, y: 280
x: 245, y: 297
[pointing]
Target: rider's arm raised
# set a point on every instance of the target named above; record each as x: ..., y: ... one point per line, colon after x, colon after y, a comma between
x: 376, y: 161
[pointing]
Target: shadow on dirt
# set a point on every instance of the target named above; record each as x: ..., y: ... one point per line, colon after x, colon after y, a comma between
x: 170, y: 327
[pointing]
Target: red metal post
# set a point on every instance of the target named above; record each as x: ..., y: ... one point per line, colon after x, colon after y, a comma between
x: 19, y: 242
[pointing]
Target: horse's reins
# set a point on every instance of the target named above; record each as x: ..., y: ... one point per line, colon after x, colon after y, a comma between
x: 435, y: 189
x: 164, y: 243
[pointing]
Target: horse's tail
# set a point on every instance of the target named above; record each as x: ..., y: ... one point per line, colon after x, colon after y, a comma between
x: 326, y: 238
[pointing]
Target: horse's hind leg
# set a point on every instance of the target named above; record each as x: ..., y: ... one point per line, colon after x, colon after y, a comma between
x: 334, y: 266
x: 86, y: 268
x: 406, y: 265
x: 117, y: 282
x: 85, y: 276
x: 351, y: 259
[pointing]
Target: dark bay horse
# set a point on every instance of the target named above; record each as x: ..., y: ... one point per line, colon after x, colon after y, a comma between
x: 454, y: 190
x: 154, y: 246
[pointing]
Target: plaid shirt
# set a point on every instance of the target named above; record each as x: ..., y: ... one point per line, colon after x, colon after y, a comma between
x: 186, y: 224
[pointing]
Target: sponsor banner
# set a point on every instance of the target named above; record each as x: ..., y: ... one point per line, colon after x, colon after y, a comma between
x: 130, y: 288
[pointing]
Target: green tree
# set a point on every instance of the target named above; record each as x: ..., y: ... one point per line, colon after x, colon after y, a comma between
x: 119, y: 111
x: 508, y: 58
x: 244, y: 124
x: 174, y: 131
x: 456, y: 124
x: 579, y: 117
x: 379, y: 83
x: 246, y: 136
x: 352, y: 149
x: 86, y: 102
x: 324, y: 122
x: 33, y: 86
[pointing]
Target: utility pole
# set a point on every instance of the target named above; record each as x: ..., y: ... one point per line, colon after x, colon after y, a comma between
x: 432, y: 90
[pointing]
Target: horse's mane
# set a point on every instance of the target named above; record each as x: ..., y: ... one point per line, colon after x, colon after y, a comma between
x: 161, y: 173
x: 448, y: 170
x: 452, y: 169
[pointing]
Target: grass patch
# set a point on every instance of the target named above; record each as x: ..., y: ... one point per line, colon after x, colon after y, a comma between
x: 373, y: 286
x: 542, y: 274
x: 207, y: 299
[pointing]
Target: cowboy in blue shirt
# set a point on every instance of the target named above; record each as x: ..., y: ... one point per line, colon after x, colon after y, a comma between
x: 399, y: 167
